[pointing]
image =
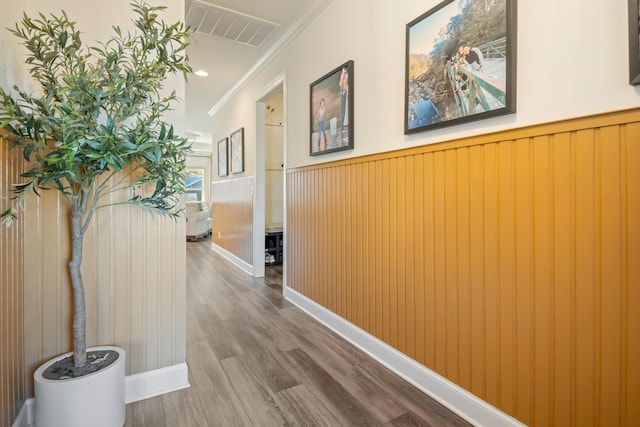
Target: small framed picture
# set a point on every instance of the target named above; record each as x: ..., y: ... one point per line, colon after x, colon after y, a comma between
x: 331, y: 118
x: 460, y: 64
x: 237, y: 151
x: 223, y: 157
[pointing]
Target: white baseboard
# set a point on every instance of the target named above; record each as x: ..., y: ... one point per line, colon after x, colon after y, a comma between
x: 154, y: 383
x: 137, y: 387
x: 467, y: 405
x: 233, y: 259
x: 26, y: 416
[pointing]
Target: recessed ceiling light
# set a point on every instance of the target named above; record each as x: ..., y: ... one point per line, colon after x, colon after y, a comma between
x: 202, y: 73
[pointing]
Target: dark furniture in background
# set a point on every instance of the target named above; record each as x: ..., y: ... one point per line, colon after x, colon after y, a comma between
x: 273, y: 246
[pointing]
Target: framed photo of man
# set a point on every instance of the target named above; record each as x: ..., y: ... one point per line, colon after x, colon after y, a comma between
x: 331, y: 111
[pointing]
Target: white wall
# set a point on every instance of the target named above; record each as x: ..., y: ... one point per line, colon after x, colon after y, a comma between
x: 274, y: 176
x: 572, y: 61
x: 274, y: 162
x: 12, y: 69
x: 94, y: 20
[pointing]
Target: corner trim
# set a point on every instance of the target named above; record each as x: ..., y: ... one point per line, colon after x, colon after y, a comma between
x: 137, y: 387
x: 465, y: 404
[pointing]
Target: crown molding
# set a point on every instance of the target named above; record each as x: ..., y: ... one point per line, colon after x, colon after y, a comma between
x: 305, y: 18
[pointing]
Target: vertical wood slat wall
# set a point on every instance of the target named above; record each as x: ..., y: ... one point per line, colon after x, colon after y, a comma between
x: 232, y: 216
x: 508, y: 263
x: 13, y: 375
x: 134, y: 272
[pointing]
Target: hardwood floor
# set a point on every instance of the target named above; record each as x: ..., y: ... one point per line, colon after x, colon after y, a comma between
x: 256, y: 360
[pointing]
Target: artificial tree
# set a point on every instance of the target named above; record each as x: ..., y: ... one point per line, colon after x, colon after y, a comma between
x: 96, y: 126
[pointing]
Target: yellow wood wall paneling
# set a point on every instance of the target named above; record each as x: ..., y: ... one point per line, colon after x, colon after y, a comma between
x: 342, y: 183
x: 630, y: 410
x: 369, y: 247
x: 504, y: 262
x: 353, y: 204
x: 372, y: 244
x: 562, y: 292
x: 313, y: 216
x: 610, y: 273
x: 327, y: 243
x: 387, y: 246
x: 585, y: 300
x: 449, y: 284
x: 330, y: 249
x: 598, y: 257
x: 418, y: 256
x: 543, y: 274
x: 624, y: 270
x: 429, y: 262
x: 391, y: 222
x: 440, y: 302
x: 490, y: 284
x: 310, y: 266
x: 363, y: 240
x: 463, y: 267
x: 334, y: 252
x: 410, y: 266
x: 506, y: 276
x: 524, y: 263
x: 232, y: 217
x: 297, y: 191
x: 476, y: 274
x: 323, y: 239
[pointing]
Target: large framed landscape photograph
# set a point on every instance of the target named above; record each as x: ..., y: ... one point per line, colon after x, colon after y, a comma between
x: 331, y: 111
x: 460, y: 64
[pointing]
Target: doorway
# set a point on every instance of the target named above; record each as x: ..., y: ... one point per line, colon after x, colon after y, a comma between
x: 269, y: 244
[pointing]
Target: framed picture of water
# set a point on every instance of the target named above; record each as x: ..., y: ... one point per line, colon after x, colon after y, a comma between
x: 460, y: 64
x: 634, y: 42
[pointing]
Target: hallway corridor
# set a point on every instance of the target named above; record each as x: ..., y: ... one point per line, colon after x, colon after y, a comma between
x: 256, y: 360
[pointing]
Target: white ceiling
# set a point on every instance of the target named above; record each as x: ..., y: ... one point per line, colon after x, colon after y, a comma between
x: 227, y: 61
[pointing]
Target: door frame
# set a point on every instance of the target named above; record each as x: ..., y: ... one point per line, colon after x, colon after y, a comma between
x: 259, y: 210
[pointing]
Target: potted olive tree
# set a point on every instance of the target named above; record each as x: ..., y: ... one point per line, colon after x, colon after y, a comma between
x: 95, y: 127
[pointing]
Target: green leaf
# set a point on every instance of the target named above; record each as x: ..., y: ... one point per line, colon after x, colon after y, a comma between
x: 64, y: 36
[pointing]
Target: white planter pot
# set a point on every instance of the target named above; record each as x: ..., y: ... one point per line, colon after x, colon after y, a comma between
x: 95, y: 400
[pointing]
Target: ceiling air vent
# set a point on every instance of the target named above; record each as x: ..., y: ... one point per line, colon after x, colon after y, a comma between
x: 209, y: 19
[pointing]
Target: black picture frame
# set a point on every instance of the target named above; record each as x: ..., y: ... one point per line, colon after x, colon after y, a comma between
x: 223, y: 157
x: 331, y: 103
x: 237, y: 151
x: 634, y: 42
x: 457, y: 73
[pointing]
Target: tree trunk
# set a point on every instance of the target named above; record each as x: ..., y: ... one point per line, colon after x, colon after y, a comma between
x: 79, y: 317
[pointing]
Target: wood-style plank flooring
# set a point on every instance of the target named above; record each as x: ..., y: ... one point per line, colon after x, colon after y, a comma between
x: 257, y: 360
